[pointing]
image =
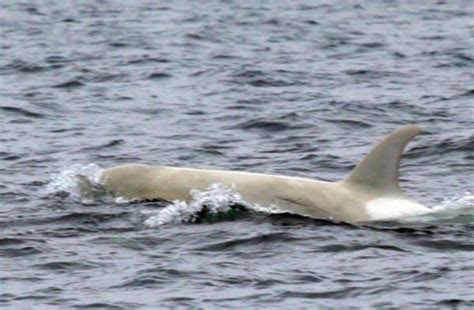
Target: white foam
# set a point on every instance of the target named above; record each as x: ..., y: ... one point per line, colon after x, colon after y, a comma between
x: 217, y: 198
x: 72, y: 182
x: 459, y: 202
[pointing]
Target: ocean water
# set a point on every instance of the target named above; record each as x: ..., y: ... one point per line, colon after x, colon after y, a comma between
x: 300, y: 88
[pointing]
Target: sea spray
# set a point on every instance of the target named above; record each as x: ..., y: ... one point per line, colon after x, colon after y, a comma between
x: 216, y: 199
x: 78, y: 182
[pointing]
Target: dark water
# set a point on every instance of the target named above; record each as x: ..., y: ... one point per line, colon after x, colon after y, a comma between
x: 296, y: 88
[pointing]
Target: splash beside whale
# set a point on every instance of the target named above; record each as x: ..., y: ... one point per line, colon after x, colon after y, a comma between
x: 371, y: 192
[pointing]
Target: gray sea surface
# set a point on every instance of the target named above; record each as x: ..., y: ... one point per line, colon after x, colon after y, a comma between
x: 299, y: 88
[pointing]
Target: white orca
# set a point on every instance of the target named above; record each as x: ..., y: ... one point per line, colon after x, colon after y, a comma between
x: 370, y: 193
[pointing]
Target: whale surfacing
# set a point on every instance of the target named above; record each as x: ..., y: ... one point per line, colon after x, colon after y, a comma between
x: 370, y: 193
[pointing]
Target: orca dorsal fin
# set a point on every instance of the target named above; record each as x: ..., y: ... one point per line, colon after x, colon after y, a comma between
x: 379, y: 168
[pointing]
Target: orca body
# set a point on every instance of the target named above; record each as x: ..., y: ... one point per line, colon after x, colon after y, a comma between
x: 370, y: 193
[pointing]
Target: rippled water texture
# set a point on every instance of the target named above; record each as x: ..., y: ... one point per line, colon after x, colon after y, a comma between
x: 298, y: 88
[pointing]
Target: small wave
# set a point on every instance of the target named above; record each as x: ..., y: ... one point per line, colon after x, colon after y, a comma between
x: 159, y: 75
x: 19, y: 251
x: 216, y: 203
x: 258, y: 78
x: 149, y: 281
x: 454, y: 303
x: 73, y: 83
x: 26, y: 66
x: 56, y: 59
x: 369, y: 73
x: 87, y: 217
x: 119, y: 44
x: 78, y: 182
x: 257, y: 240
x: 99, y: 305
x: 21, y: 112
x: 107, y: 145
x: 17, y: 241
x: 469, y: 93
x: 66, y: 265
x: 264, y: 124
x: 146, y: 59
x: 337, y: 294
x: 350, y: 123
